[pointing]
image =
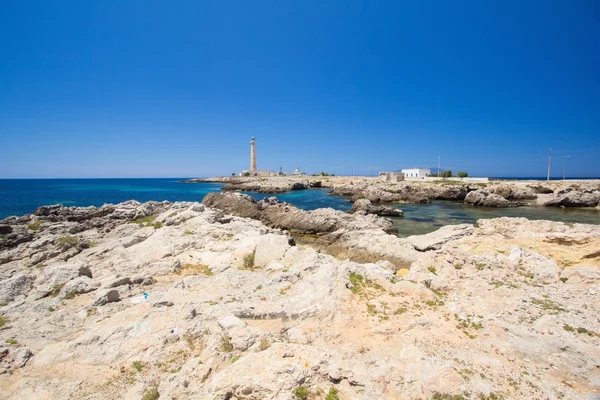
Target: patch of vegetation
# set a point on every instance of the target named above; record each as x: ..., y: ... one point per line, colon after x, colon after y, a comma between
x: 435, y: 303
x: 400, y: 310
x: 458, y: 266
x: 68, y: 240
x: 467, y: 324
x: 432, y: 270
x: 563, y: 280
x: 363, y: 287
x: 333, y: 394
x: 144, y: 220
x: 194, y: 269
x: 249, y: 260
x: 301, y: 393
x: 259, y: 287
x: 462, y: 174
x: 234, y: 359
x: 548, y: 305
x: 438, y: 293
x: 138, y: 365
x: 92, y: 311
x: 371, y: 309
x: 497, y: 284
x: 90, y: 244
x: 448, y: 396
x: 188, y: 232
x: 151, y: 393
x: 284, y: 291
x: 195, y: 341
x: 465, y: 373
x: 264, y: 344
x: 34, y: 226
x: 11, y: 342
x: 70, y: 295
x: 480, y: 266
x: 490, y: 396
x: 226, y: 345
x: 56, y: 290
x: 584, y: 331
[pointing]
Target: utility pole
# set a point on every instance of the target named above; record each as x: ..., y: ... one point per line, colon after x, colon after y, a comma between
x: 438, y: 174
x: 549, y: 160
x: 565, y: 166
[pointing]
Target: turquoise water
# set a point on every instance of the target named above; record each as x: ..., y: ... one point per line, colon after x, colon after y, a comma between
x: 23, y: 196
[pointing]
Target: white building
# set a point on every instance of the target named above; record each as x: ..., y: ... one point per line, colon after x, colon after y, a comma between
x: 416, y: 173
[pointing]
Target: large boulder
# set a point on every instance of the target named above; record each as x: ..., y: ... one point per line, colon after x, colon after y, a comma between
x: 13, y: 287
x: 237, y: 204
x: 435, y: 240
x: 54, y: 277
x: 512, y: 192
x: 575, y: 198
x: 366, y: 206
x: 484, y: 198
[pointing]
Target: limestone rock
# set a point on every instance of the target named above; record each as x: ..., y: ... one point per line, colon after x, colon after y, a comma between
x: 366, y: 206
x: 435, y: 240
x: 12, y: 287
x: 105, y: 297
x: 575, y: 199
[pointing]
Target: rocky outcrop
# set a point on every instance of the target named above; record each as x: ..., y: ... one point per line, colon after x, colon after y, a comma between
x: 435, y: 240
x: 575, y: 198
x: 485, y: 198
x: 205, y: 305
x: 364, y: 205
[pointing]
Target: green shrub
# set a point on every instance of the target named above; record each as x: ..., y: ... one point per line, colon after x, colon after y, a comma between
x: 432, y: 270
x: 264, y: 344
x: 226, y: 345
x: 138, y: 365
x: 462, y: 174
x: 301, y: 393
x: 249, y: 260
x: 151, y: 393
x: 3, y: 321
x: 11, y: 341
x: 34, y: 226
x: 333, y: 394
x: 70, y: 240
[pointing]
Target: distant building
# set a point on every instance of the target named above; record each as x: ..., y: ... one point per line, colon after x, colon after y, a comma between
x: 391, y: 176
x: 297, y: 172
x: 416, y: 173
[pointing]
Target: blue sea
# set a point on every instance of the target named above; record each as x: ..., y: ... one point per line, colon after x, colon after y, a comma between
x: 23, y: 196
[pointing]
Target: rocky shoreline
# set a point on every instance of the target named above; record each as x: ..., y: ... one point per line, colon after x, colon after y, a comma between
x: 189, y: 300
x: 571, y: 193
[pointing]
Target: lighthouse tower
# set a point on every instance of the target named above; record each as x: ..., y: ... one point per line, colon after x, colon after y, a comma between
x: 253, y: 155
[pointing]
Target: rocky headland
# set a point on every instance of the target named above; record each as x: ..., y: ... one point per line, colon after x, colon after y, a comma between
x: 570, y: 193
x: 185, y: 300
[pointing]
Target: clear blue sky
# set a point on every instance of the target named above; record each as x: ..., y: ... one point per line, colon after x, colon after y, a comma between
x: 173, y: 89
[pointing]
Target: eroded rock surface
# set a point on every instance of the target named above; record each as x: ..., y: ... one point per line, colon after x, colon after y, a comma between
x: 195, y: 303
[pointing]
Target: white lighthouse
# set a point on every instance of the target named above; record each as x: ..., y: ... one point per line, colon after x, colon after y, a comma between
x: 253, y: 155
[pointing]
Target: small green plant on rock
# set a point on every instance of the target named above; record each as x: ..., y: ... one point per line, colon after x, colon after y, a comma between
x: 34, y: 226
x: 3, y: 321
x: 226, y: 345
x: 568, y: 328
x: 333, y: 394
x: 11, y: 342
x: 70, y: 295
x: 301, y: 393
x: 249, y: 260
x: 151, y: 393
x: 264, y: 344
x: 234, y: 359
x: 138, y: 365
x: 68, y: 240
x: 188, y: 232
x: 432, y: 270
x: 480, y: 266
x: 56, y: 290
